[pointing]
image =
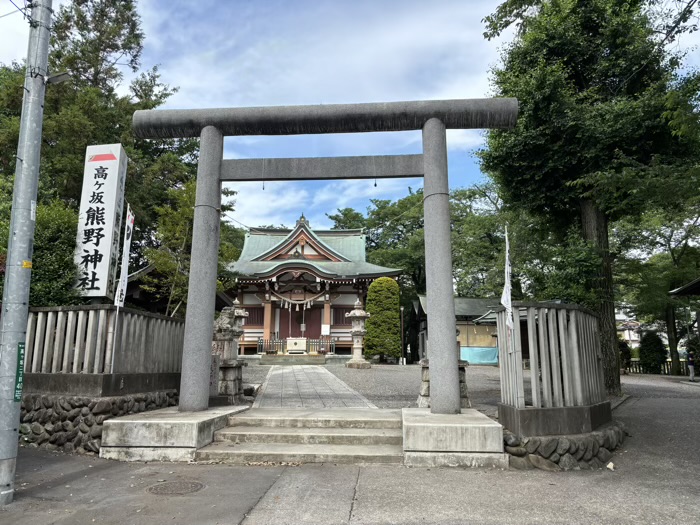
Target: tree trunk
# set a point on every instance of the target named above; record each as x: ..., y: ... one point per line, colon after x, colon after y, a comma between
x: 595, y: 230
x: 673, y: 340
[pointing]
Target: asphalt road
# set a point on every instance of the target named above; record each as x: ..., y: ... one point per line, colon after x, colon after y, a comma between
x: 654, y: 482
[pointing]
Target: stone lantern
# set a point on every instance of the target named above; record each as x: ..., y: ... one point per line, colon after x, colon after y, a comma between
x: 239, y: 316
x: 358, y: 317
x: 228, y: 329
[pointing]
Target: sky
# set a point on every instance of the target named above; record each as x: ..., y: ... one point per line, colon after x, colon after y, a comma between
x: 274, y: 52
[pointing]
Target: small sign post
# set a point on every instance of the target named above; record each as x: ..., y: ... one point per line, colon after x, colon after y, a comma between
x: 19, y: 377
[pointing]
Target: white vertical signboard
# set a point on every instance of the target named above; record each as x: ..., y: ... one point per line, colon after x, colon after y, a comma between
x: 100, y: 218
x: 126, y: 251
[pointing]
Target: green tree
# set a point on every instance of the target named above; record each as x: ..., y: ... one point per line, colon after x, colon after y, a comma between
x: 92, y: 38
x: 53, y: 265
x: 593, y: 141
x: 395, y: 238
x: 478, y: 241
x: 383, y: 326
x: 347, y: 219
x: 652, y: 354
x: 659, y: 253
x: 171, y: 258
x: 95, y: 41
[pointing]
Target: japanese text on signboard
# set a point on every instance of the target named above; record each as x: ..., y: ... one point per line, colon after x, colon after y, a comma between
x: 100, y: 217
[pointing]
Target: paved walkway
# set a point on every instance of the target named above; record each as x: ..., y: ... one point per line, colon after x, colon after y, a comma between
x: 307, y: 386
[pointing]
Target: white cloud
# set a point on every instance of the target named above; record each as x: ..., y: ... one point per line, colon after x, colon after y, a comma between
x: 324, y: 53
x: 274, y: 52
x: 277, y: 204
x: 465, y: 139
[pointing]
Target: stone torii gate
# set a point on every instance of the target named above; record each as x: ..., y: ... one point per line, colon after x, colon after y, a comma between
x: 211, y: 125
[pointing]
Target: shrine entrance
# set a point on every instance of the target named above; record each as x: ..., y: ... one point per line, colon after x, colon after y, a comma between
x: 301, y: 323
x: 432, y: 117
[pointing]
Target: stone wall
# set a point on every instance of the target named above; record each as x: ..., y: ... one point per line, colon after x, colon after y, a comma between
x: 74, y: 423
x: 574, y: 452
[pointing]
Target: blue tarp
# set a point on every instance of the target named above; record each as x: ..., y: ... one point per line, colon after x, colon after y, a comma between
x: 479, y: 355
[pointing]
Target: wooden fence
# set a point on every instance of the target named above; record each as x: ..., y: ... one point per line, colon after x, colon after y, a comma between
x: 565, y: 359
x: 99, y: 339
x: 636, y: 367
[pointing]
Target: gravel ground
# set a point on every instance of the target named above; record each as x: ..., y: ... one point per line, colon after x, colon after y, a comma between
x: 255, y: 374
x: 393, y: 386
x: 387, y: 386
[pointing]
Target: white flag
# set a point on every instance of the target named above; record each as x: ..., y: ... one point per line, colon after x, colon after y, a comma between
x: 126, y: 251
x: 505, y: 296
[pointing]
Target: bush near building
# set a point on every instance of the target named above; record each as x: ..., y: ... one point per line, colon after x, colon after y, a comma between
x: 652, y: 353
x: 383, y: 326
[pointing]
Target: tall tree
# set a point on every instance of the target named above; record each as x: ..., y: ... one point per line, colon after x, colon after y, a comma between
x: 593, y: 140
x: 92, y: 38
x: 97, y: 41
x: 347, y: 219
x: 660, y: 254
x: 395, y: 238
x: 171, y: 258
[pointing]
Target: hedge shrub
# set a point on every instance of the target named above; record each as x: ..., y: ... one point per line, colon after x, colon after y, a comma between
x: 652, y: 353
x: 384, y: 325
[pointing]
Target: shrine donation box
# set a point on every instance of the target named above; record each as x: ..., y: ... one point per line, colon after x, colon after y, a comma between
x: 296, y: 345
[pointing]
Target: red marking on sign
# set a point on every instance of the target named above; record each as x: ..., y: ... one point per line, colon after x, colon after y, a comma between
x: 102, y: 157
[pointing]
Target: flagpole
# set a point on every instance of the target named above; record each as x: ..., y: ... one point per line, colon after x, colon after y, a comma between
x: 123, y: 277
x: 506, y: 298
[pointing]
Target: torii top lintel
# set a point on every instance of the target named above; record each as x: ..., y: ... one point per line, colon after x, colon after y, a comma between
x: 485, y: 113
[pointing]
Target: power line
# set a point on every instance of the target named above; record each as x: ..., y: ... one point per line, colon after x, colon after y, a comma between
x: 8, y: 14
x: 236, y: 220
x: 18, y: 8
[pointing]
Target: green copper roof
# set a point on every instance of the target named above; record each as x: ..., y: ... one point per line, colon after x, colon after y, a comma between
x: 346, y: 244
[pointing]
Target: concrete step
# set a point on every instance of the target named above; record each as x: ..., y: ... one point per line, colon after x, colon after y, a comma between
x: 311, y: 436
x: 318, y: 418
x: 227, y: 452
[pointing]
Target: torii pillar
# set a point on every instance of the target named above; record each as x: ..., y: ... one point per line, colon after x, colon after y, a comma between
x: 211, y: 125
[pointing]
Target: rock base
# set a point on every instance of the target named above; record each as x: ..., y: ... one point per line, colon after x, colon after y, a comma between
x: 357, y: 363
x: 75, y: 424
x: 231, y: 380
x: 424, y: 395
x: 570, y: 452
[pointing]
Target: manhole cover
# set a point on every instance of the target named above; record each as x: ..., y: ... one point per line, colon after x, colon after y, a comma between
x: 169, y: 488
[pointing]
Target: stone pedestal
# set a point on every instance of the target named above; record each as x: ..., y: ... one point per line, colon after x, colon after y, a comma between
x: 359, y: 363
x: 214, y: 375
x: 554, y: 421
x: 424, y: 395
x: 230, y: 383
x: 468, y: 439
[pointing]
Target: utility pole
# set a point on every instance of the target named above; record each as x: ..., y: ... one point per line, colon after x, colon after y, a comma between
x: 18, y: 269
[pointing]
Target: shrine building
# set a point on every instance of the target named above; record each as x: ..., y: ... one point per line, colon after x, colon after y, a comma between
x: 297, y: 285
